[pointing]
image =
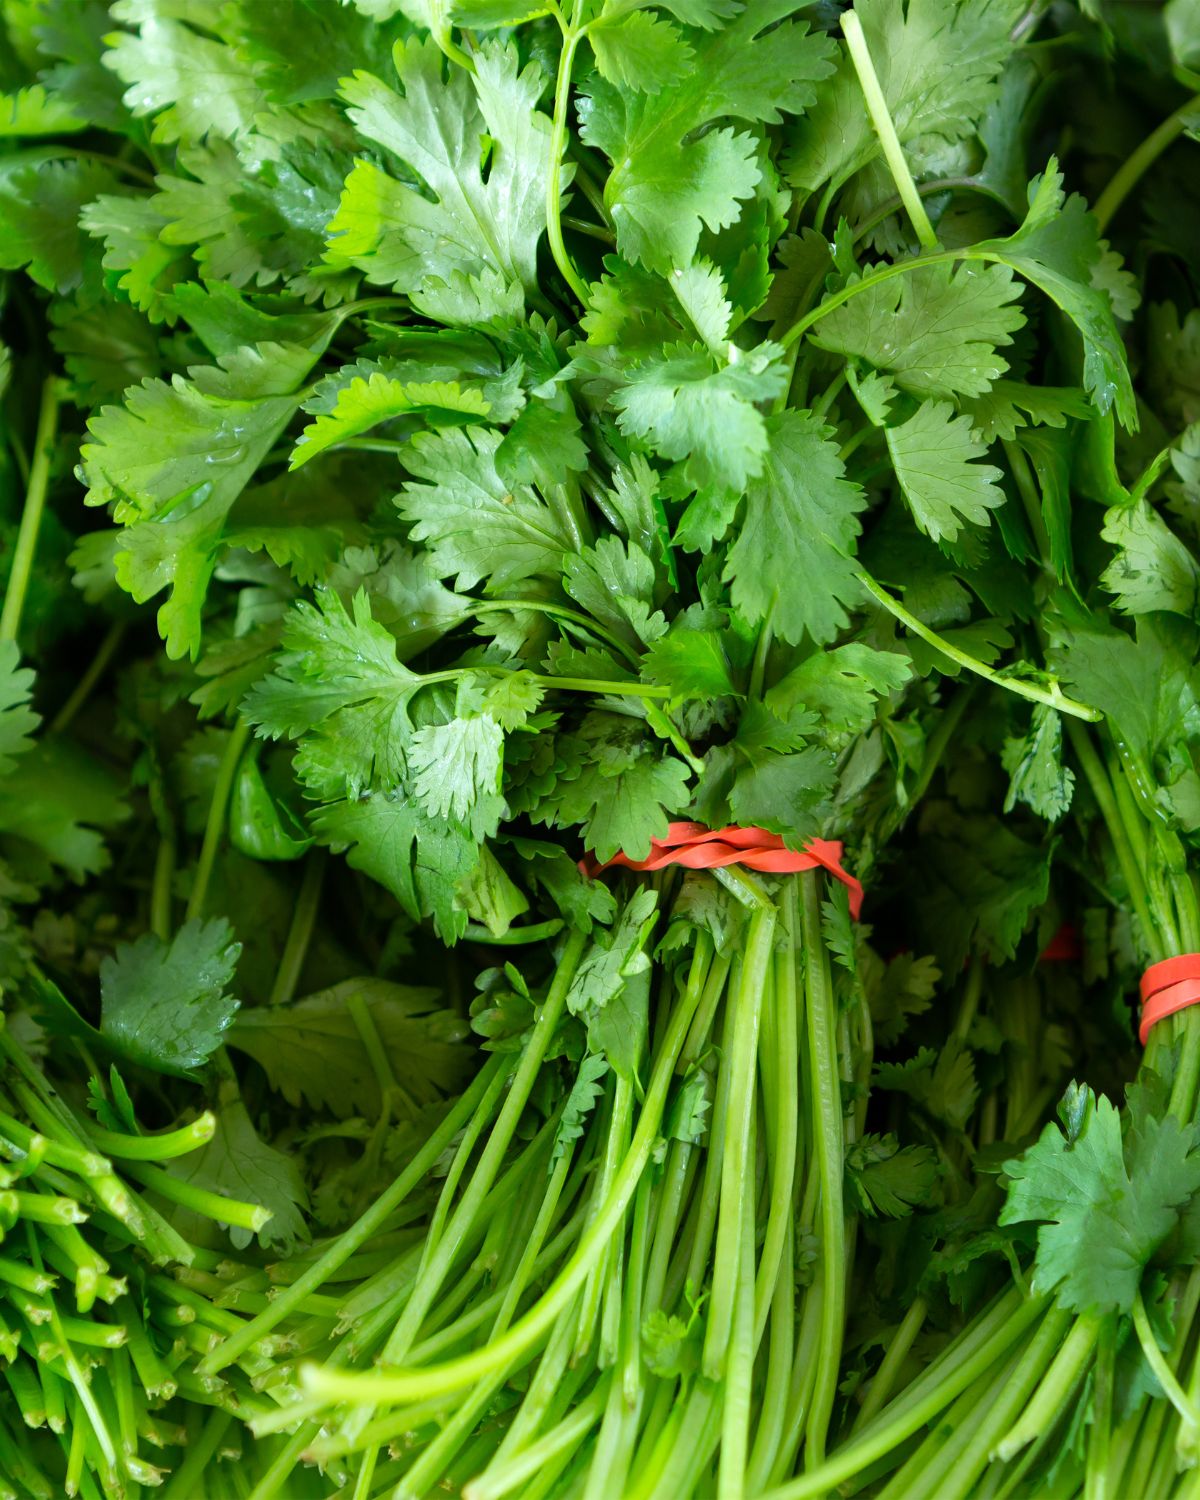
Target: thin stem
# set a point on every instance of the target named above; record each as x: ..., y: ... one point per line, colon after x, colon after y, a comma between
x: 161, y: 921
x: 1163, y: 1372
x: 893, y: 153
x: 558, y: 144
x: 1067, y: 1369
x: 1097, y: 778
x: 31, y: 514
x: 559, y: 612
x: 897, y: 1352
x: 215, y: 825
x: 1052, y: 697
x: 735, y: 1184
x: 596, y: 685
x: 515, y: 937
x: 340, y: 1251
x: 889, y: 1431
x: 433, y: 1275
x: 300, y: 932
x: 211, y: 1205
x: 1135, y: 165
x: 1030, y: 499
x: 931, y: 189
x: 336, y: 1386
x: 827, y: 1141
x: 96, y: 669
x: 164, y: 1147
x: 762, y: 650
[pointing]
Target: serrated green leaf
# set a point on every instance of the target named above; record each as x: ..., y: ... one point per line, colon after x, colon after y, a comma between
x: 934, y: 456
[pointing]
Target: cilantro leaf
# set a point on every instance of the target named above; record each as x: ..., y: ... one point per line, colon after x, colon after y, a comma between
x: 942, y: 1083
x: 423, y: 862
x: 174, y: 459
x: 1010, y: 405
x: 615, y: 787
x: 639, y: 50
x: 1057, y: 248
x: 397, y: 234
x: 937, y: 331
x: 312, y: 1050
x: 1153, y: 570
x: 166, y: 1005
x: 17, y: 719
x: 887, y: 1179
x: 40, y: 229
x: 691, y: 407
x: 841, y: 686
x: 939, y: 64
x: 934, y: 456
x: 610, y: 990
x: 670, y: 176
x: 800, y: 523
x: 338, y: 681
x: 456, y: 771
x: 1105, y: 1206
x: 191, y: 83
x: 364, y: 404
x: 1034, y: 764
x: 692, y: 663
x: 581, y: 1101
x: 474, y: 525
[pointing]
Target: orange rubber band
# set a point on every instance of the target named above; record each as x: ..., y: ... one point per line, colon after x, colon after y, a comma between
x: 698, y: 848
x: 1168, y: 987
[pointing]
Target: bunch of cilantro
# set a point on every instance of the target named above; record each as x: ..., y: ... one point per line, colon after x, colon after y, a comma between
x: 536, y: 425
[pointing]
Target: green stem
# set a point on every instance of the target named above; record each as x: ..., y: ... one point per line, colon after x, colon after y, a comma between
x: 932, y: 1396
x: 200, y: 1200
x: 1030, y: 498
x: 558, y: 144
x: 161, y: 918
x: 96, y: 669
x: 432, y: 1275
x: 215, y: 825
x: 1052, y: 697
x: 1064, y: 1373
x: 930, y: 189
x: 324, y: 1267
x: 823, y: 1072
x: 1139, y: 161
x: 784, y: 1061
x: 164, y: 1147
x: 893, y: 1361
x: 762, y: 650
x: 736, y: 1179
x: 300, y: 930
x: 31, y: 514
x: 1097, y: 779
x: 536, y: 932
x: 1099, y: 1445
x: 739, y: 1365
x: 1163, y: 1372
x: 559, y: 612
x: 881, y: 118
x: 569, y: 1433
x: 334, y: 1386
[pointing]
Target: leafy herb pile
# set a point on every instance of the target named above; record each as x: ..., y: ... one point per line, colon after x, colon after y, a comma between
x: 535, y: 426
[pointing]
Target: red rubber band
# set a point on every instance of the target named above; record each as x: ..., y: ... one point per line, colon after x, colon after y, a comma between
x: 1168, y: 987
x: 698, y: 848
